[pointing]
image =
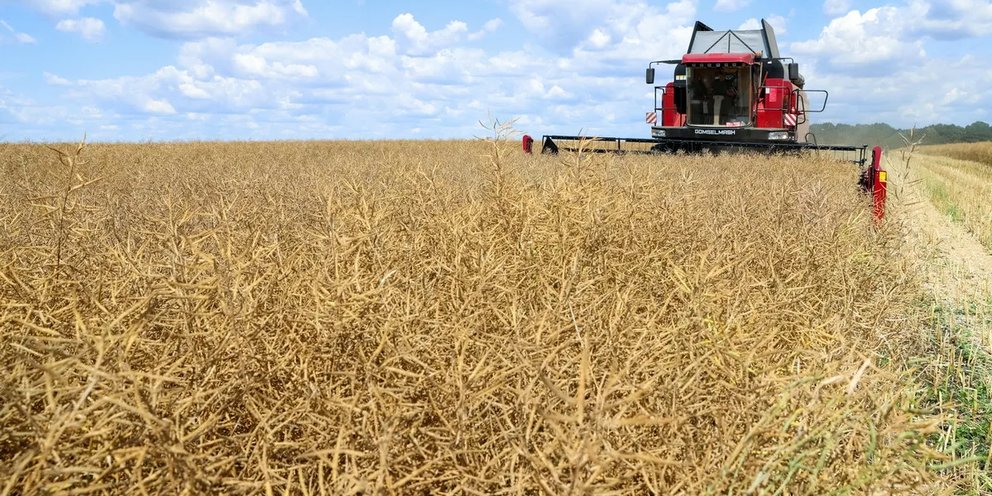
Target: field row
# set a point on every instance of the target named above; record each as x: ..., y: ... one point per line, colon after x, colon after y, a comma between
x: 958, y: 180
x: 974, y: 152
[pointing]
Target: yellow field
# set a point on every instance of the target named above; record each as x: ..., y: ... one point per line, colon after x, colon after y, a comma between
x: 958, y: 180
x: 430, y: 317
x: 974, y: 152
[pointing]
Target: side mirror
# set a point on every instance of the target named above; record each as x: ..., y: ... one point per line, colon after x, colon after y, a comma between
x: 649, y: 76
x: 793, y: 71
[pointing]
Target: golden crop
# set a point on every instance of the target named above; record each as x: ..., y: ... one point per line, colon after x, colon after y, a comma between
x: 976, y: 152
x: 431, y: 317
x: 958, y: 180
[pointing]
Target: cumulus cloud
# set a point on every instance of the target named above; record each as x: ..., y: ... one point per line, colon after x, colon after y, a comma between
x: 185, y: 19
x: 91, y: 29
x: 540, y: 89
x: 169, y: 88
x: 61, y: 7
x: 627, y: 40
x: 874, y: 63
x: 159, y: 107
x: 55, y: 80
x: 635, y: 29
x: 836, y: 7
x: 777, y: 22
x: 951, y: 19
x: 14, y: 35
x: 416, y: 40
x: 489, y: 27
x: 335, y: 85
x: 730, y: 5
x: 256, y: 65
x: 895, y: 97
x: 876, y: 37
x: 416, y: 80
x: 324, y: 59
x: 202, y: 18
x: 607, y: 40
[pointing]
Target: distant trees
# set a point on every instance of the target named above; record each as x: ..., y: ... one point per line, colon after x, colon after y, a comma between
x: 888, y: 136
x: 977, y: 131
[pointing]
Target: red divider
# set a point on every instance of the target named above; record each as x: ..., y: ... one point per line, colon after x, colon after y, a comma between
x: 879, y: 180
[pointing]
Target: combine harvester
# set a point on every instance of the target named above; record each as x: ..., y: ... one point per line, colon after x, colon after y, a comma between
x: 731, y: 91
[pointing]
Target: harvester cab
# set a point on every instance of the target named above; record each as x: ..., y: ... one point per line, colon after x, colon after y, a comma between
x: 731, y: 86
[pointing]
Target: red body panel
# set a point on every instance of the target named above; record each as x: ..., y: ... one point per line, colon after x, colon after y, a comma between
x: 528, y: 144
x: 715, y: 58
x: 778, y: 100
x: 879, y: 184
x: 669, y: 114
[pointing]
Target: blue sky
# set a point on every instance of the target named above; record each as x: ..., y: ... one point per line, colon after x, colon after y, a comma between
x: 137, y: 70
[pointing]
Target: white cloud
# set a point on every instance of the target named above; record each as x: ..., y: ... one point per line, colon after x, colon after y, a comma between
x: 202, y: 18
x: 489, y: 27
x: 874, y: 64
x: 598, y: 39
x: 435, y: 81
x: 61, y: 7
x: 870, y: 40
x: 328, y: 59
x: 777, y: 22
x: 592, y: 38
x: 628, y: 39
x: 538, y: 89
x: 895, y: 97
x: 416, y: 40
x: 256, y: 65
x: 334, y: 86
x: 169, y: 88
x: 159, y: 107
x: 730, y: 5
x: 191, y: 89
x: 15, y: 35
x: 751, y: 23
x: 836, y: 7
x: 56, y: 80
x: 91, y: 29
x: 636, y: 28
x: 951, y: 19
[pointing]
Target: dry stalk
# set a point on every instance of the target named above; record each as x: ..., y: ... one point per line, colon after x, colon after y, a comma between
x: 352, y: 318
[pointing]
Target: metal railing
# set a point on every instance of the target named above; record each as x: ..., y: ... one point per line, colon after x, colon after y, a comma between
x: 795, y: 95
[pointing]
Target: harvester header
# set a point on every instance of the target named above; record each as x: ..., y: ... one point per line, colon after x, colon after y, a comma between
x: 731, y: 90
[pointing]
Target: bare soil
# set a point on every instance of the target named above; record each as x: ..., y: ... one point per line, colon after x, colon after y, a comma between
x: 958, y: 269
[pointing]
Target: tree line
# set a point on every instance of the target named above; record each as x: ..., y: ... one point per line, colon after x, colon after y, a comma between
x: 888, y: 137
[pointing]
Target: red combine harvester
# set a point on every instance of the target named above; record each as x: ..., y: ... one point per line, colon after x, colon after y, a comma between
x: 731, y: 91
